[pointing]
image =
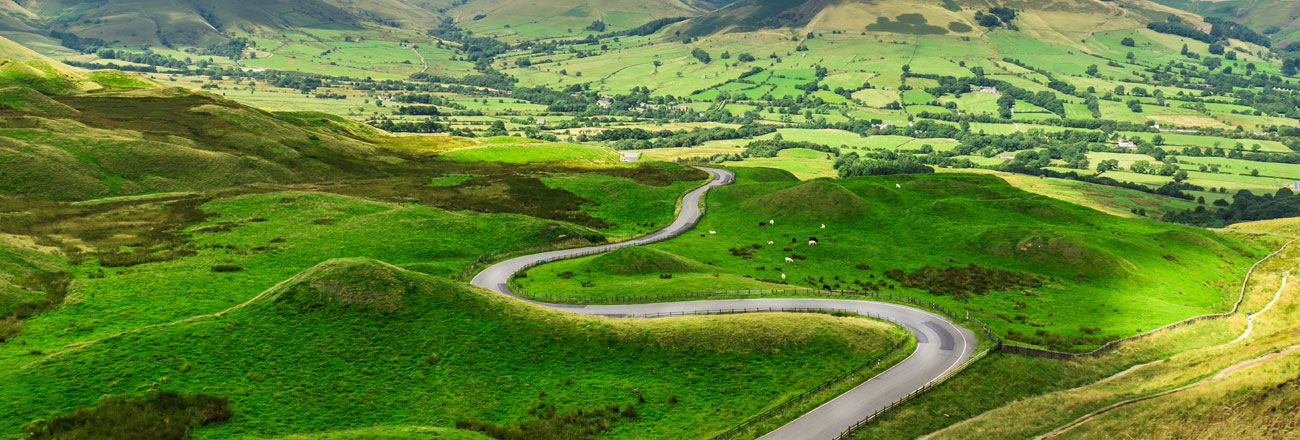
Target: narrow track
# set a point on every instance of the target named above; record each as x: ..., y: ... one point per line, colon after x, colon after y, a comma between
x: 940, y: 344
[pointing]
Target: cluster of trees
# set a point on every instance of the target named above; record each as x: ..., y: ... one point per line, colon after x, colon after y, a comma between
x: 770, y: 147
x: 1245, y: 206
x: 79, y: 44
x: 146, y: 57
x: 1176, y: 26
x: 232, y: 48
x: 426, y: 126
x: 702, y: 55
x: 478, y: 50
x: 852, y: 165
x: 640, y: 139
x: 418, y: 110
x: 997, y: 16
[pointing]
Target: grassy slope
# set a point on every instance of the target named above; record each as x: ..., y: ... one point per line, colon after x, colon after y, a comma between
x: 1040, y: 394
x: 1243, y: 389
x: 298, y: 231
x: 403, y: 348
x: 1121, y: 275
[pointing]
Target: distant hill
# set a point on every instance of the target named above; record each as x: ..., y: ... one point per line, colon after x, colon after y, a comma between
x: 1277, y: 19
x: 168, y: 22
x: 1044, y: 19
x: 132, y: 136
x: 553, y: 18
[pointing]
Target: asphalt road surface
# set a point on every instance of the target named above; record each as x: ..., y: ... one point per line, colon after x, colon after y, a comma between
x: 940, y: 344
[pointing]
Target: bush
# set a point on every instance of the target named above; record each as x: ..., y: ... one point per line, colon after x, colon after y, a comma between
x: 158, y: 415
x: 226, y: 268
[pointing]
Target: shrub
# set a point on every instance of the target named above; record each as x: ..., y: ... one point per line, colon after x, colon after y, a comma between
x: 226, y: 268
x: 158, y: 415
x: 565, y: 275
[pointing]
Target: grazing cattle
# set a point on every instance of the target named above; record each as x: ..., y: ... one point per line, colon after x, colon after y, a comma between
x: 789, y: 260
x: 762, y: 224
x: 701, y: 235
x: 794, y: 240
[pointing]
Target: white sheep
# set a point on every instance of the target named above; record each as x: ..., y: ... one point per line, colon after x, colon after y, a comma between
x: 823, y: 226
x: 897, y: 185
x: 782, y: 277
x: 812, y: 242
x: 789, y: 260
x: 713, y: 232
x: 769, y: 242
x: 771, y: 222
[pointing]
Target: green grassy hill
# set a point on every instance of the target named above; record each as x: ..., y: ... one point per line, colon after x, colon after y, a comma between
x: 936, y: 17
x: 551, y: 19
x: 1038, y: 270
x: 1276, y: 18
x: 130, y: 136
x: 356, y: 342
x: 162, y: 22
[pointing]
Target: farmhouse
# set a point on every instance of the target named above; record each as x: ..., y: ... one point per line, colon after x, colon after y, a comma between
x: 1127, y: 144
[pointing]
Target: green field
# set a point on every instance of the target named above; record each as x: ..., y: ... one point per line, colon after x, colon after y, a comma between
x: 1002, y: 228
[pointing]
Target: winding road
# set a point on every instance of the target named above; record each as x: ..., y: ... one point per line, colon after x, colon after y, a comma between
x: 940, y: 344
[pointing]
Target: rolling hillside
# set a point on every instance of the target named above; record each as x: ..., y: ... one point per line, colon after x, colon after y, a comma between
x: 1277, y: 19
x: 163, y: 22
x: 543, y: 18
x: 133, y: 136
x: 1069, y: 17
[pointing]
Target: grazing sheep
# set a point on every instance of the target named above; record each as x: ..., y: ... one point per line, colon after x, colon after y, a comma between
x: 769, y: 242
x: 782, y: 277
x: 713, y: 232
x: 823, y: 226
x: 812, y: 242
x: 897, y: 185
x: 771, y: 222
x: 789, y: 260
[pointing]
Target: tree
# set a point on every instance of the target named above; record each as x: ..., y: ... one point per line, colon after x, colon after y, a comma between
x: 1184, y: 51
x: 1128, y: 41
x: 745, y: 57
x: 1216, y: 49
x: 1092, y: 70
x: 701, y: 55
x: 988, y: 20
x: 1212, y: 62
x: 1107, y: 165
x: 1158, y: 140
x: 1180, y: 176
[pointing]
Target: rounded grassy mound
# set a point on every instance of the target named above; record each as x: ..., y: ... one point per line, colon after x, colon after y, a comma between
x: 815, y: 200
x: 636, y: 260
